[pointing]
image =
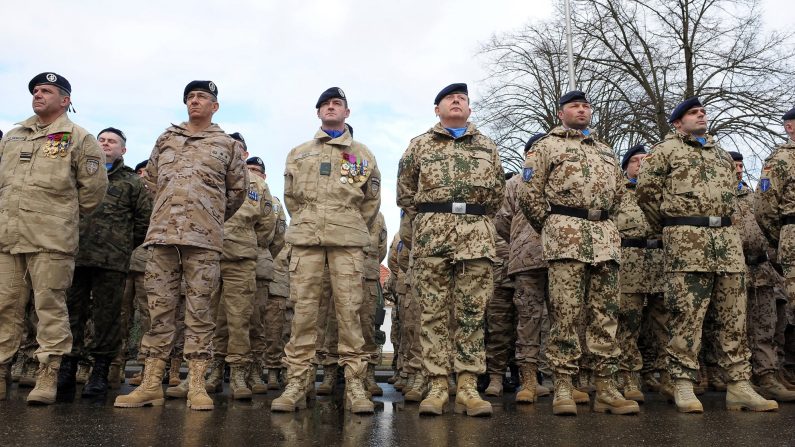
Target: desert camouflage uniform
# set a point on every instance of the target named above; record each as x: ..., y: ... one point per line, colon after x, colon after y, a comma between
x: 703, y: 265
x: 267, y: 319
x: 529, y: 273
x: 452, y: 253
x: 49, y: 176
x: 233, y: 303
x: 199, y: 181
x: 393, y: 287
x: 765, y: 286
x: 640, y: 282
x: 500, y: 315
x: 331, y: 209
x: 568, y: 168
x: 278, y: 292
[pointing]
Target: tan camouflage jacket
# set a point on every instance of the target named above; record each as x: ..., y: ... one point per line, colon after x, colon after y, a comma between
x: 394, y: 268
x: 754, y: 242
x: 265, y: 256
x: 332, y: 190
x: 252, y: 225
x: 641, y: 269
x: 512, y: 226
x: 500, y: 272
x: 775, y: 198
x: 375, y: 252
x: 49, y: 177
x: 280, y: 286
x: 569, y: 169
x: 199, y: 181
x: 680, y: 178
x: 436, y: 168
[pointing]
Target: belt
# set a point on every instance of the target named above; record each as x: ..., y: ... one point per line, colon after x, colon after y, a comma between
x: 582, y: 213
x: 452, y: 207
x: 698, y: 221
x: 756, y: 260
x: 642, y: 243
x: 787, y: 220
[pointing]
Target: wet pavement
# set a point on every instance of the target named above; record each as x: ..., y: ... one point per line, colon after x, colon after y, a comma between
x: 324, y: 423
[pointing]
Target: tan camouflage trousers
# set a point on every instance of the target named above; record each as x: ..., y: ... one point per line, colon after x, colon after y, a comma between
x: 272, y: 314
x: 500, y: 330
x: 459, y: 291
x: 530, y: 300
x: 256, y: 323
x: 49, y: 275
x: 577, y: 288
x: 653, y: 336
x: 167, y: 268
x: 630, y: 317
x: 688, y: 297
x: 394, y: 336
x: 410, y: 341
x: 326, y: 353
x: 345, y: 266
x: 367, y: 319
x: 232, y: 304
x: 762, y: 320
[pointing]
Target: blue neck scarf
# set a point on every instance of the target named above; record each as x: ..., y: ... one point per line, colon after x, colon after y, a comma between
x: 701, y: 140
x: 334, y: 133
x: 586, y: 132
x: 456, y: 131
x: 633, y: 180
x: 740, y: 186
x: 108, y: 166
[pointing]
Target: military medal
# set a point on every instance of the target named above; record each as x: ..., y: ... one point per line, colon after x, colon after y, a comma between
x: 350, y: 180
x: 343, y: 179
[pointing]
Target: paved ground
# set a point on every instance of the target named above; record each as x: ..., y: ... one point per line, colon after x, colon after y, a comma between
x: 324, y: 423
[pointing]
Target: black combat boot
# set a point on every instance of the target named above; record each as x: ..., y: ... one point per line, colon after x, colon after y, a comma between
x: 67, y: 378
x: 97, y: 384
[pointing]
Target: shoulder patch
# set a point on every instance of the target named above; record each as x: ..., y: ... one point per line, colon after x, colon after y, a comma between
x: 527, y: 174
x: 764, y: 184
x: 92, y: 166
x: 253, y: 195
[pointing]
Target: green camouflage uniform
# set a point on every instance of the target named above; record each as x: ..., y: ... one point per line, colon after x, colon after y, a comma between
x: 452, y: 253
x: 703, y: 265
x: 107, y: 239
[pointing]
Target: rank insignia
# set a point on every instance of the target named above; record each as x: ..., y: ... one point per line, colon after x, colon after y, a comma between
x: 527, y: 174
x: 253, y: 195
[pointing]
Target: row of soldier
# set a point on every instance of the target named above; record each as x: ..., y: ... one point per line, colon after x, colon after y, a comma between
x: 207, y: 232
x: 450, y: 187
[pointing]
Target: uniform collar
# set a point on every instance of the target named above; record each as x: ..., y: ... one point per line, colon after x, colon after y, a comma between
x: 182, y: 128
x: 61, y: 124
x: 343, y: 140
x: 438, y: 129
x: 563, y: 132
x: 118, y: 165
x: 690, y: 140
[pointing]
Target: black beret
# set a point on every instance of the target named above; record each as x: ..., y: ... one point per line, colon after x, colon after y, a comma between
x: 572, y: 96
x: 532, y: 141
x: 331, y: 93
x: 634, y: 150
x: 113, y: 130
x: 141, y: 165
x: 1, y: 134
x: 256, y: 161
x: 238, y: 137
x: 458, y: 87
x: 736, y: 156
x: 789, y: 115
x: 683, y: 107
x: 205, y: 86
x: 51, y: 79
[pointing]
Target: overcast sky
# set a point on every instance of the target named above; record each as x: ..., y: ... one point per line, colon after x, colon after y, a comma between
x: 128, y: 63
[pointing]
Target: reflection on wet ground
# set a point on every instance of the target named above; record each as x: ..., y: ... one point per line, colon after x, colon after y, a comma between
x: 324, y: 423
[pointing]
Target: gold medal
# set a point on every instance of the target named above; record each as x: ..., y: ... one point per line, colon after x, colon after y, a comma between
x: 62, y: 152
x: 350, y: 180
x: 344, y: 170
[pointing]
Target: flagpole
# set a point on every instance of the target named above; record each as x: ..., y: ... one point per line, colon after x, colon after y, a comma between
x: 569, y: 49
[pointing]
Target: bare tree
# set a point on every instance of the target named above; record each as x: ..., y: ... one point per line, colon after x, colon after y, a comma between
x: 638, y: 60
